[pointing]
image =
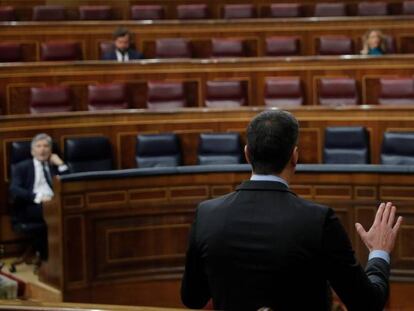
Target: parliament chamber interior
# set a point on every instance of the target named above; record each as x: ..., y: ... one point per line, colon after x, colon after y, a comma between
x: 147, y: 140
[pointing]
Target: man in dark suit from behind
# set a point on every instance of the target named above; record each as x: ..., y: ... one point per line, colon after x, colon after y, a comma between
x: 31, y: 186
x: 123, y: 50
x: 264, y: 246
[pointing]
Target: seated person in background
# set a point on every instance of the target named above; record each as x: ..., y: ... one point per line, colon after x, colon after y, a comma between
x: 373, y: 43
x: 262, y: 245
x: 31, y: 185
x: 123, y: 50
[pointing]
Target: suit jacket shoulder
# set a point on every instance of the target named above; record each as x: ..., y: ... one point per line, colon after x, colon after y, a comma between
x: 111, y: 55
x: 24, y: 167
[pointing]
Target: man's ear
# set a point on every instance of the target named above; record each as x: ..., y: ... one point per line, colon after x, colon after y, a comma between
x: 246, y: 154
x: 295, y: 157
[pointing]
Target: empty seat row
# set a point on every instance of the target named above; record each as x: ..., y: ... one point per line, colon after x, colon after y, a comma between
x: 58, y: 98
x: 351, y: 145
x: 343, y: 145
x: 202, y: 11
x: 160, y: 95
x: 278, y: 91
x: 49, y: 51
x: 83, y: 154
x: 182, y: 48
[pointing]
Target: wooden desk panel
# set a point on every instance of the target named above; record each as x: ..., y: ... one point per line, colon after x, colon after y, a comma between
x: 17, y: 79
x: 126, y: 236
x: 255, y: 31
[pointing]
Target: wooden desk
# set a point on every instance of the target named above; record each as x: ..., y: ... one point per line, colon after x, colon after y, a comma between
x: 254, y: 32
x: 17, y: 79
x: 121, y: 237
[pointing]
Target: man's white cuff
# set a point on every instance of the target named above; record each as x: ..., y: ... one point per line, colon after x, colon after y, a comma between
x: 380, y: 254
x: 38, y: 198
x: 62, y: 168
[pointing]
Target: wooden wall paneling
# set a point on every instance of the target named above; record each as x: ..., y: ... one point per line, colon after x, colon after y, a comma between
x: 76, y: 201
x: 127, y: 250
x: 365, y: 193
x: 333, y: 192
x: 217, y: 191
x: 372, y: 138
x: 79, y: 93
x: 397, y: 193
x: 52, y: 271
x: 75, y: 265
x: 189, y: 139
x: 310, y: 145
x: 20, y: 93
x: 345, y: 213
x: 406, y: 43
x: 29, y: 50
x: 108, y: 199
x: 363, y: 214
x: 403, y: 255
x: 126, y: 142
x: 149, y: 195
x: 304, y: 191
x: 150, y: 245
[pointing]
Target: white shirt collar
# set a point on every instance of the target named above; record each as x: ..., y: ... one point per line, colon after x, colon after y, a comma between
x: 119, y: 56
x: 257, y: 177
x: 37, y: 162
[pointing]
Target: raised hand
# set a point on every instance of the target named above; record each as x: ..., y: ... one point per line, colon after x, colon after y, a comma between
x: 383, y: 232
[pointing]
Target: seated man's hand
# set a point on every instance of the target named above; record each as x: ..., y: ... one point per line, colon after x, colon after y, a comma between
x: 55, y: 160
x: 46, y: 199
x: 382, y: 234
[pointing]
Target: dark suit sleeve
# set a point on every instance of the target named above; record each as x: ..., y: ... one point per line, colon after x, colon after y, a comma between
x: 195, y: 291
x: 18, y: 187
x: 358, y: 289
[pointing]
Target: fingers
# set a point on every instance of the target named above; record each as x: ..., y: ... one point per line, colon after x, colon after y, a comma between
x: 378, y: 215
x: 360, y: 229
x: 386, y: 213
x: 391, y: 218
x: 397, y: 225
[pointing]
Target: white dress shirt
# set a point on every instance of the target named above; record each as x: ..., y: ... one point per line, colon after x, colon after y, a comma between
x: 40, y: 186
x: 121, y: 57
x: 373, y: 254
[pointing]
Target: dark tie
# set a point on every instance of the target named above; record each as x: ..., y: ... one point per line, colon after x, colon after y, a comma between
x: 122, y: 55
x: 46, y: 172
